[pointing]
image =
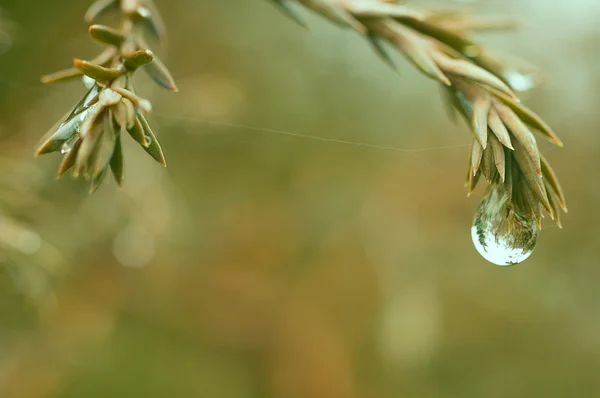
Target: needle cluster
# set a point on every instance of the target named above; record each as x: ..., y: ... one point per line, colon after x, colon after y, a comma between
x: 474, y: 82
x: 89, y: 136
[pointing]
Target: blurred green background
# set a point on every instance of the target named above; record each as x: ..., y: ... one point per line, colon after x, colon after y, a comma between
x: 262, y: 263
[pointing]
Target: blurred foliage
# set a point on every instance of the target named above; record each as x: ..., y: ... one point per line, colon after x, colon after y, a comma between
x: 262, y: 263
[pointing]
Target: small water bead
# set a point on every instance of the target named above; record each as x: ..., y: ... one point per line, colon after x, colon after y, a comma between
x: 521, y: 81
x: 500, y: 235
x: 148, y: 140
x: 67, y: 147
x: 78, y: 119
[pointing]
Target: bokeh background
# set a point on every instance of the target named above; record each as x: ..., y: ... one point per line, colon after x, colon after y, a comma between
x: 265, y: 263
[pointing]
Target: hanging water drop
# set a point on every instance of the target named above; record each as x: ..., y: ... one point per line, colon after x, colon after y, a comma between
x: 499, y: 234
x: 68, y: 145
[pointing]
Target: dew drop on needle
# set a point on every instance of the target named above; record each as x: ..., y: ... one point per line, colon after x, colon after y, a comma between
x: 521, y: 81
x: 500, y: 235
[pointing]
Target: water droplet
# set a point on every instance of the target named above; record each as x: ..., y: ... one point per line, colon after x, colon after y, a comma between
x: 68, y: 145
x: 143, y: 12
x: 520, y: 81
x: 66, y: 148
x: 499, y: 234
x: 148, y: 140
x: 78, y: 119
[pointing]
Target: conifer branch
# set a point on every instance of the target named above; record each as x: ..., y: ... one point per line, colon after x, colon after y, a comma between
x: 475, y: 83
x: 89, y: 137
